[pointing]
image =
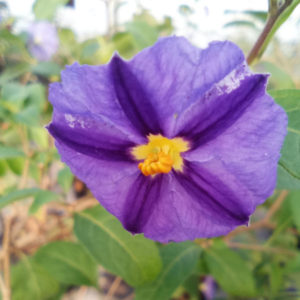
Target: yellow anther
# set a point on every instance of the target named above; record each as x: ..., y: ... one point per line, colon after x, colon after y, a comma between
x: 156, y: 163
x: 160, y: 155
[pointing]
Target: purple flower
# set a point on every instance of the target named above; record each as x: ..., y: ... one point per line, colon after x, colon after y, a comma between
x: 178, y: 143
x: 42, y: 40
x: 208, y: 288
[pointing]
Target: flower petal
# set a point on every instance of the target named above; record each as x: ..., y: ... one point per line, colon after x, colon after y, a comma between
x: 174, y: 74
x: 246, y: 154
x: 208, y: 117
x: 132, y: 98
x: 107, y: 180
x: 177, y: 207
x: 89, y: 90
x: 90, y: 136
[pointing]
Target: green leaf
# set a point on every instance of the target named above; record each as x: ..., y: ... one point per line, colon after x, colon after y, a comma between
x: 14, y: 71
x: 179, y: 261
x: 65, y: 179
x: 3, y: 168
x: 28, y: 116
x: 294, y: 203
x: 29, y: 281
x: 45, y: 9
x: 289, y: 165
x: 17, y: 195
x: 144, y: 34
x: 134, y: 258
x: 39, y: 136
x: 41, y: 198
x: 239, y: 23
x: 16, y: 164
x: 279, y: 78
x: 14, y: 91
x: 37, y: 95
x: 9, y: 152
x: 68, y: 262
x: 46, y: 68
x: 230, y: 271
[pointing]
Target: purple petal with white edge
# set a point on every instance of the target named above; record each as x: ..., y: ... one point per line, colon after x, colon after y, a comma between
x: 90, y: 90
x: 208, y: 117
x: 246, y: 154
x: 174, y: 74
x: 91, y: 136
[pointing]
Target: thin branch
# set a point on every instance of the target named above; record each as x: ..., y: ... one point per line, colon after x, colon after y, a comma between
x: 276, y: 205
x: 4, y: 290
x: 264, y: 223
x: 262, y: 248
x: 6, y: 256
x: 113, y: 288
x: 262, y: 41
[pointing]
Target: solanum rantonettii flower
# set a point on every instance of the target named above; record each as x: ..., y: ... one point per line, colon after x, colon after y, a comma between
x: 43, y: 40
x: 178, y: 143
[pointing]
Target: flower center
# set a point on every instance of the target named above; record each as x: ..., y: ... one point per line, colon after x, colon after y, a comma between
x: 160, y: 155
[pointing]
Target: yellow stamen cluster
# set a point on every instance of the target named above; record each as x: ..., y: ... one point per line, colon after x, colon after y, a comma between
x: 156, y: 163
x: 160, y: 155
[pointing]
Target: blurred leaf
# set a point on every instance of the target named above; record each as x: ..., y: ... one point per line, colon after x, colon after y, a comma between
x: 17, y: 195
x: 191, y: 285
x: 12, y: 44
x: 68, y: 45
x: 3, y: 168
x: 41, y: 198
x: 9, y: 152
x: 289, y: 165
x: 256, y: 14
x: 166, y: 28
x: 29, y: 281
x: 28, y: 116
x: 13, y: 71
x: 230, y: 271
x: 46, y: 68
x: 179, y: 261
x: 240, y: 23
x: 144, y: 34
x: 294, y: 265
x: 45, y: 9
x: 276, y: 278
x: 40, y: 136
x: 14, y: 91
x: 124, y: 44
x: 89, y: 48
x: 68, y: 262
x: 185, y: 10
x: 294, y: 203
x: 279, y: 79
x: 65, y: 179
x: 16, y: 164
x: 134, y: 258
x: 36, y: 95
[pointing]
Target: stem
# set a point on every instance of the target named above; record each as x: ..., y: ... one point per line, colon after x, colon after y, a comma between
x: 6, y: 258
x: 255, y: 51
x: 269, y: 30
x: 264, y: 223
x: 262, y: 248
